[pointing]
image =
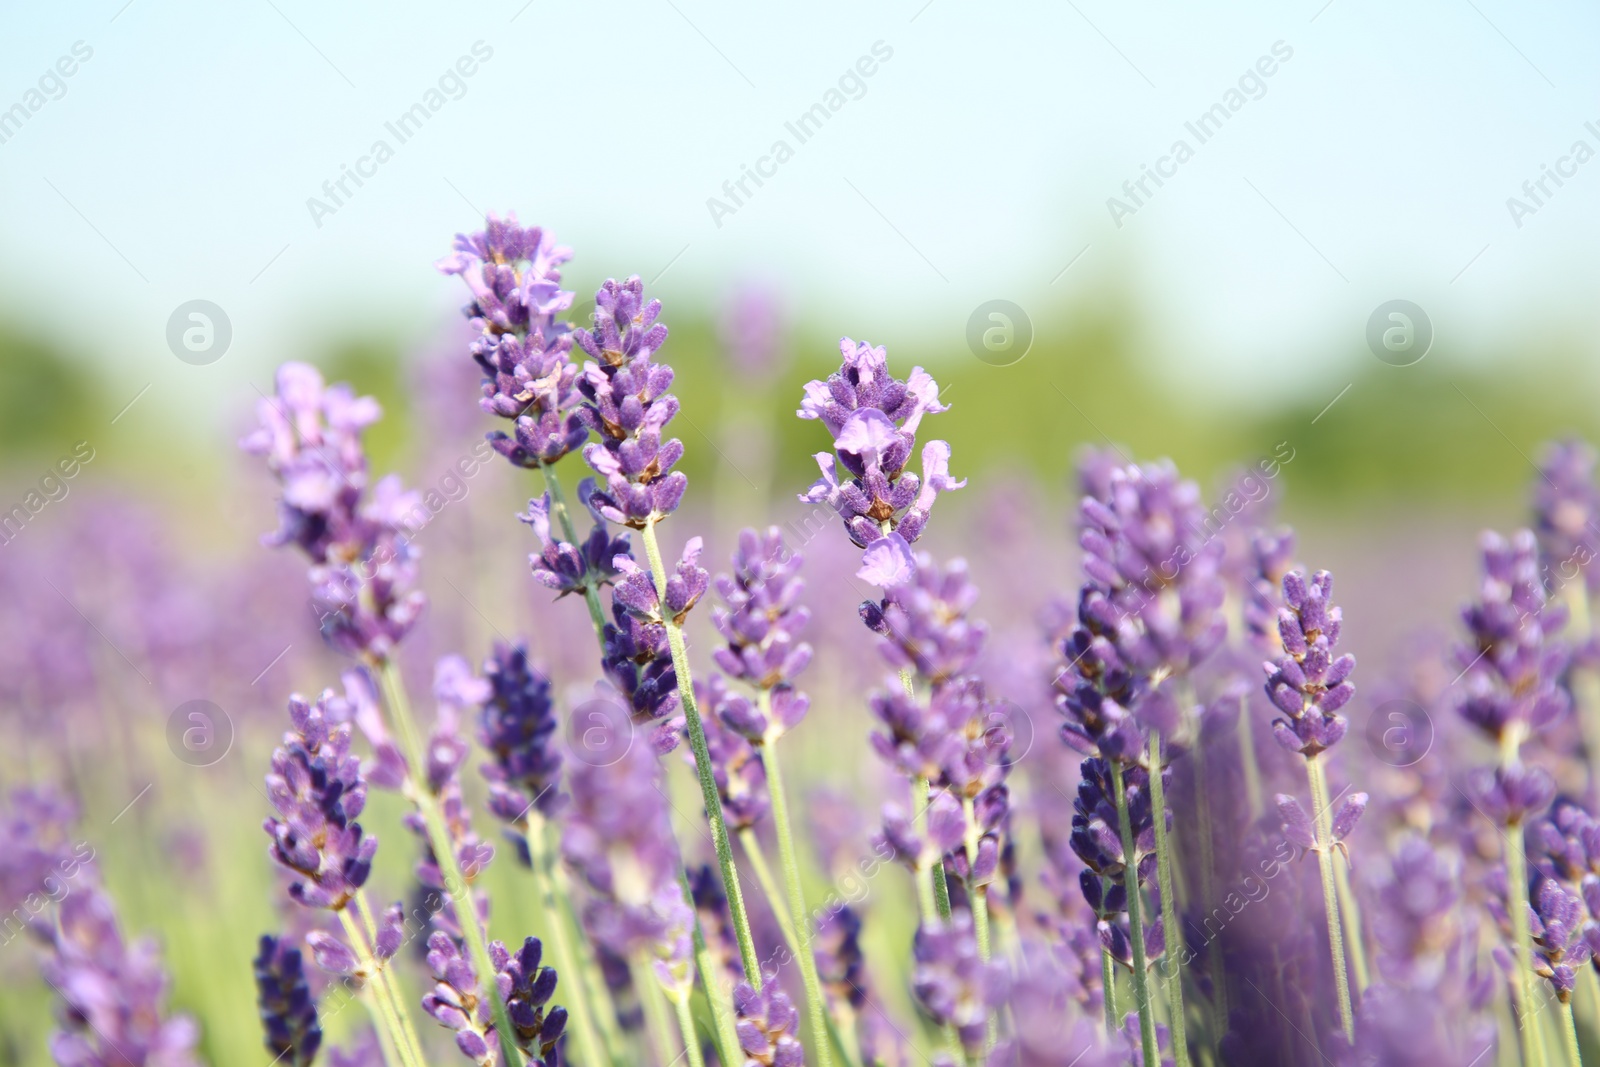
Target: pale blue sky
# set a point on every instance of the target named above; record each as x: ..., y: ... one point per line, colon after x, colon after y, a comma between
x: 976, y: 165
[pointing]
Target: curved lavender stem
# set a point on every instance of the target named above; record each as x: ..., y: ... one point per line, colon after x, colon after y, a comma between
x: 1330, y: 894
x: 1141, y: 980
x: 558, y: 505
x: 445, y: 854
x: 702, y: 764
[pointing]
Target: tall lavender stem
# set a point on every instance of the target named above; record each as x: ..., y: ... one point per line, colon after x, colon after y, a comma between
x: 444, y: 851
x: 1141, y: 979
x: 1330, y: 894
x: 702, y: 763
x: 541, y: 858
x: 1169, y: 906
x: 402, y: 1036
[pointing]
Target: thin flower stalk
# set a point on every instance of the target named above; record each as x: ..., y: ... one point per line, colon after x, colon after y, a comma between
x: 1141, y: 978
x: 445, y: 854
x: 1330, y: 893
x: 389, y: 985
x: 541, y: 858
x: 402, y: 1037
x: 558, y: 505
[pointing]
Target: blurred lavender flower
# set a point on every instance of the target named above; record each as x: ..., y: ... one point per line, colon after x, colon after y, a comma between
x: 763, y: 615
x: 113, y: 995
x: 364, y: 1051
x: 518, y: 728
x: 751, y: 331
x: 627, y: 404
x: 840, y: 965
x: 736, y: 765
x: 1513, y: 664
x: 288, y: 1013
x: 952, y: 983
x: 767, y: 1024
x: 318, y: 790
x: 1307, y: 684
x: 1566, y: 506
x: 363, y: 562
x: 513, y: 274
x: 1557, y: 919
x: 37, y: 854
x: 924, y: 621
x: 873, y: 419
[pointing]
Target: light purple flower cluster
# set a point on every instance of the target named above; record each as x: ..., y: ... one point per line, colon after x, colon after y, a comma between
x: 113, y: 994
x: 767, y: 1025
x: 924, y: 621
x: 953, y: 983
x: 1307, y: 683
x: 568, y: 568
x: 523, y: 349
x: 762, y: 617
x: 736, y: 764
x: 1514, y: 662
x: 627, y: 405
x: 518, y: 728
x: 317, y: 788
x: 363, y: 562
x: 1566, y: 508
x: 873, y: 418
x: 1096, y: 840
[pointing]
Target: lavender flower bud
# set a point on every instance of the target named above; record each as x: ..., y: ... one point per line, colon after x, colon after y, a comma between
x: 527, y: 989
x: 767, y: 1023
x: 568, y: 568
x: 840, y: 964
x: 924, y: 621
x: 518, y: 728
x: 1566, y: 506
x: 628, y: 406
x: 1559, y: 945
x: 763, y: 616
x: 637, y: 662
x: 456, y: 1001
x: 1307, y: 684
x: 317, y: 788
x: 288, y: 1013
x: 873, y: 419
x: 1508, y: 795
x: 952, y: 983
x: 636, y: 590
x: 740, y: 775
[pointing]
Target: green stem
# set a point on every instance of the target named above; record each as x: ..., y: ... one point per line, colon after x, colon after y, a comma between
x: 444, y: 854
x: 1517, y: 904
x: 1570, y: 1032
x: 575, y: 998
x: 1130, y: 868
x: 790, y: 860
x: 977, y: 895
x: 1330, y: 895
x: 654, y: 1000
x: 558, y: 505
x: 390, y: 987
x: 1169, y: 907
x: 718, y: 996
x: 691, y: 1043
x: 1350, y: 908
x: 1108, y: 982
x: 702, y: 763
x: 395, y: 1046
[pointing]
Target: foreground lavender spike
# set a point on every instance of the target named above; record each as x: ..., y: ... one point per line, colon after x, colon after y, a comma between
x: 1309, y: 686
x: 113, y: 995
x: 767, y: 1023
x: 953, y: 983
x: 873, y: 419
x: 1566, y: 506
x: 517, y: 727
x: 288, y: 1012
x: 363, y: 562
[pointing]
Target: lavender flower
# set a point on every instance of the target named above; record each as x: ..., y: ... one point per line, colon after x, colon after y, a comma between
x: 751, y: 331
x: 518, y: 728
x: 924, y: 621
x: 568, y: 568
x: 767, y: 1023
x: 637, y: 662
x: 627, y: 404
x: 458, y: 1001
x: 317, y: 788
x: 1513, y: 664
x: 113, y: 995
x: 763, y: 615
x: 364, y: 1051
x: 952, y: 983
x: 685, y: 586
x: 527, y: 989
x: 873, y: 419
x: 1557, y: 919
x: 839, y: 960
x: 1566, y: 505
x: 363, y: 562
x: 514, y: 277
x: 1307, y: 683
x: 288, y: 1014
x: 736, y: 765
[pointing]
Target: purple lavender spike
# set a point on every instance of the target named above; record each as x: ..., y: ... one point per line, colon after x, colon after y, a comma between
x: 288, y: 1013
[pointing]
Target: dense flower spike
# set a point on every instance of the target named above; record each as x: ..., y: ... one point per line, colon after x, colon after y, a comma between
x: 523, y: 350
x: 518, y: 728
x: 952, y: 983
x: 1307, y: 684
x: 873, y: 419
x: 839, y: 959
x: 637, y: 661
x: 363, y: 562
x: 317, y: 788
x: 762, y: 617
x: 1558, y: 936
x: 1566, y: 507
x: 768, y: 1026
x: 1513, y: 663
x: 627, y: 404
x: 288, y: 1014
x: 924, y: 621
x: 527, y: 988
x: 457, y: 1002
x: 735, y: 763
x: 113, y: 995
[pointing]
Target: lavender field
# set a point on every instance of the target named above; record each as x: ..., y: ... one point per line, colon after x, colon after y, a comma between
x: 777, y: 588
